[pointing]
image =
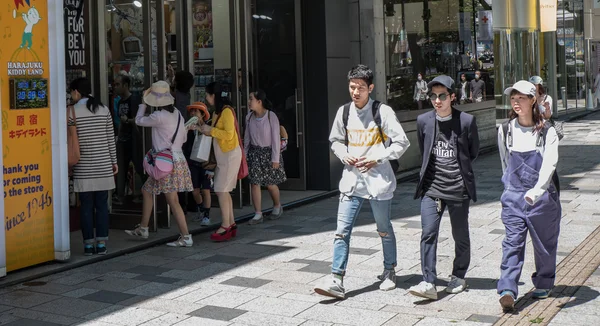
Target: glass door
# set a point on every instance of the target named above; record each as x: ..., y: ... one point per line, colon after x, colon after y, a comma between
x: 277, y: 69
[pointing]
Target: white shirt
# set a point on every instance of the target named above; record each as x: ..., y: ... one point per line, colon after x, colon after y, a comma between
x: 524, y: 140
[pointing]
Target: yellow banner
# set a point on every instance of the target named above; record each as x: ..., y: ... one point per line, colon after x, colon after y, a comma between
x: 24, y: 87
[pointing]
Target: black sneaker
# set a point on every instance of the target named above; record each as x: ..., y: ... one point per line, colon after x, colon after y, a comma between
x: 88, y: 250
x: 101, y: 249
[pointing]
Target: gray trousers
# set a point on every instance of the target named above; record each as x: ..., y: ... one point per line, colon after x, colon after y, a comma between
x: 430, y: 224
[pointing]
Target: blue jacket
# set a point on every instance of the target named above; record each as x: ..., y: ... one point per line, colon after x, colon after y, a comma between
x: 465, y: 128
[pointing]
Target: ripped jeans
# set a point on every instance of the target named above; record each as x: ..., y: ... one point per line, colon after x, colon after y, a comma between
x: 348, y: 210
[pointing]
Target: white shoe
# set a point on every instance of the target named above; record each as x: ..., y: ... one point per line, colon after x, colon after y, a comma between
x: 389, y: 280
x: 138, y: 232
x: 332, y: 287
x: 257, y: 219
x: 424, y: 290
x: 456, y: 285
x: 183, y: 241
x: 276, y: 213
x: 205, y: 221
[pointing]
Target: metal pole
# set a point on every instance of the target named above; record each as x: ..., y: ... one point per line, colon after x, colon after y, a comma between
x: 474, y: 34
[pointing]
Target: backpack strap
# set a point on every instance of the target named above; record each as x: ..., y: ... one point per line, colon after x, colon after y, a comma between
x: 177, y: 129
x: 505, y: 130
x: 345, y: 115
x: 377, y: 119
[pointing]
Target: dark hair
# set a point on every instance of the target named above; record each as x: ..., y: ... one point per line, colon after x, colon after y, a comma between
x: 541, y: 90
x: 169, y: 108
x: 184, y: 81
x: 260, y: 95
x: 124, y: 80
x: 361, y: 72
x: 538, y: 120
x: 215, y: 89
x: 84, y: 87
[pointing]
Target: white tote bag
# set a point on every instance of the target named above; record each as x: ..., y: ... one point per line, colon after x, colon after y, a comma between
x: 201, y: 149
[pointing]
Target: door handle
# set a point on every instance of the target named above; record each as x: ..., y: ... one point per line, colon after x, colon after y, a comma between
x: 298, y: 132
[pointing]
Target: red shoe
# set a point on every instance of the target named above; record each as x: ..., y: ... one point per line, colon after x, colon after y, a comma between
x: 221, y: 236
x: 233, y: 230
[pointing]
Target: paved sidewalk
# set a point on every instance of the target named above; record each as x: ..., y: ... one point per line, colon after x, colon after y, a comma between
x: 266, y: 275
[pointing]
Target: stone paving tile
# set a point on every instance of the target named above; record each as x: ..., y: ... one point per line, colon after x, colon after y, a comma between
x: 6, y: 319
x: 260, y: 319
x: 147, y: 270
x: 343, y: 315
x: 432, y: 321
x: 167, y: 319
x: 121, y: 274
x: 112, y: 283
x: 249, y: 271
x: 483, y: 318
x: 187, y: 264
x: 225, y: 259
x: 50, y: 288
x: 78, y: 293
x: 227, y: 299
x: 41, y: 317
x: 196, y: 295
x: 107, y: 296
x: 124, y: 315
x: 30, y: 322
x: 158, y: 304
x: 315, y: 323
x: 297, y: 277
x: 25, y: 299
x: 196, y: 321
x: 152, y: 289
x: 403, y: 320
x: 218, y: 313
x: 246, y: 282
x: 157, y: 279
x: 73, y: 307
x: 76, y: 278
x: 276, y: 306
x: 147, y: 260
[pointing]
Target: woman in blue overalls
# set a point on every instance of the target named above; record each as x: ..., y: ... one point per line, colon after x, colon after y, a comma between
x: 529, y: 152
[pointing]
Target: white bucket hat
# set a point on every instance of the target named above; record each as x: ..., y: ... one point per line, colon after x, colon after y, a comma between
x: 523, y: 87
x: 159, y: 95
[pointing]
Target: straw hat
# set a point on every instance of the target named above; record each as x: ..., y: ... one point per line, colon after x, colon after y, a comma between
x: 202, y: 107
x: 159, y: 95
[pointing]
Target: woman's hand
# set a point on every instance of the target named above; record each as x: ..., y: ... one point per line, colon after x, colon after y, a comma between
x: 275, y: 165
x: 205, y: 129
x: 115, y: 169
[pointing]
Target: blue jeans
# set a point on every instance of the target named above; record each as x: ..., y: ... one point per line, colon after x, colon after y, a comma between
x: 348, y: 210
x: 97, y: 200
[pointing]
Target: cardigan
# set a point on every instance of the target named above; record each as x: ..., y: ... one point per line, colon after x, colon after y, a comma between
x: 224, y: 130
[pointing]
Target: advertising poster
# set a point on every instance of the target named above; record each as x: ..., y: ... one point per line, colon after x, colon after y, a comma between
x: 26, y: 134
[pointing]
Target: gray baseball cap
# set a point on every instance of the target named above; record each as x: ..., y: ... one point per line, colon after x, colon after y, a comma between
x: 442, y: 80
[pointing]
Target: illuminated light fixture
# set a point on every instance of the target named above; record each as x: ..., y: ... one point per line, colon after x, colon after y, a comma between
x: 263, y: 17
x: 255, y: 16
x: 137, y: 3
x: 269, y: 18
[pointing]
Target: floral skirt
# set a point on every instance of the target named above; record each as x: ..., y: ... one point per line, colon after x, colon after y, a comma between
x: 260, y: 167
x: 179, y: 180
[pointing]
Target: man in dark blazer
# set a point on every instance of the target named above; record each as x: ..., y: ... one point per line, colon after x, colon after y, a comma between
x: 449, y: 143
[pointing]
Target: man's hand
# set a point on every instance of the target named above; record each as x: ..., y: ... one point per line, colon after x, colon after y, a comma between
x: 365, y: 164
x: 350, y: 160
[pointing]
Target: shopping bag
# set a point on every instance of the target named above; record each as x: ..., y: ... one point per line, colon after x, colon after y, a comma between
x: 201, y: 148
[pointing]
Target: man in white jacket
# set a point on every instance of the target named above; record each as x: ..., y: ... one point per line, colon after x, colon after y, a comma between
x: 365, y: 136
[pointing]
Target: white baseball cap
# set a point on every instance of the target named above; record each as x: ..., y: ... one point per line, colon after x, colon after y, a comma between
x: 523, y: 87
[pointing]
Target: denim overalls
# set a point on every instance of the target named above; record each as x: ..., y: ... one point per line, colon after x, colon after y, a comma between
x: 542, y: 220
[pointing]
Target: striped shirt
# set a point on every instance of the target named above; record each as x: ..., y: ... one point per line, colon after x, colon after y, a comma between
x: 94, y: 171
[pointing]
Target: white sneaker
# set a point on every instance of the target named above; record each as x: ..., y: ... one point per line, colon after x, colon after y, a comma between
x: 183, y: 241
x: 276, y: 213
x: 424, y: 290
x: 138, y: 232
x: 332, y: 287
x: 389, y: 280
x: 456, y: 285
x: 257, y: 219
x: 205, y: 221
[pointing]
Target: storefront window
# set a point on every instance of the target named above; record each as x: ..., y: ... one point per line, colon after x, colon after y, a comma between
x: 433, y: 38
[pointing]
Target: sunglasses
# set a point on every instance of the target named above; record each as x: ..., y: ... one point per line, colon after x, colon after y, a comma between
x: 442, y: 97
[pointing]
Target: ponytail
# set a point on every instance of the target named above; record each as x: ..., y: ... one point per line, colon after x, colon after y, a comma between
x: 84, y: 87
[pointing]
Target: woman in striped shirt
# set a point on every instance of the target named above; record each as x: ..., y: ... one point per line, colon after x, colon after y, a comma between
x: 93, y: 175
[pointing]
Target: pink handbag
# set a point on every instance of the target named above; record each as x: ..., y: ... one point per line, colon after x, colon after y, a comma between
x: 159, y: 164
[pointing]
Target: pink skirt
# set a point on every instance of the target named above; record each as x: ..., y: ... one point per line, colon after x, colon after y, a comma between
x: 179, y: 180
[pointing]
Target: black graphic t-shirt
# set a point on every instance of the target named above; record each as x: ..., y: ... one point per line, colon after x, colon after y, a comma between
x: 443, y: 178
x: 127, y: 107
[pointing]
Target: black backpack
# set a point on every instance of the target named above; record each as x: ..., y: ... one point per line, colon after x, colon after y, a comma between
x: 377, y: 119
x: 541, y: 141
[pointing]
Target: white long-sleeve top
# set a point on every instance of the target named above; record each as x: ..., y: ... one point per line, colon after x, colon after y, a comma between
x: 364, y: 140
x: 525, y: 140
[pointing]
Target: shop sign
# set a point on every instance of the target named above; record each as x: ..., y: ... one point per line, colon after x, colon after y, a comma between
x: 26, y: 131
x: 548, y: 15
